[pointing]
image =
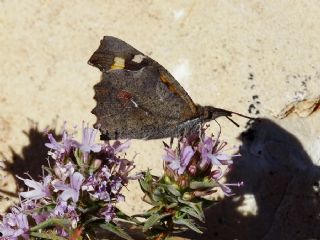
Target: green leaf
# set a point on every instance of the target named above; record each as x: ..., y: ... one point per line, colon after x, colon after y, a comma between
x: 121, y: 216
x: 158, y: 194
x: 116, y: 230
x: 202, y: 185
x: 92, y: 220
x: 148, y: 213
x: 148, y: 199
x: 193, y: 213
x: 173, y: 190
x: 187, y: 222
x: 171, y: 199
x: 144, y: 185
x: 196, y: 206
x: 172, y: 205
x: 77, y: 155
x: 64, y: 223
x: 153, y: 219
x: 146, y: 182
x: 46, y: 236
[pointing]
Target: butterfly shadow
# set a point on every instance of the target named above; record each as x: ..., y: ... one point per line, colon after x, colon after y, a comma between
x: 32, y: 156
x: 280, y: 182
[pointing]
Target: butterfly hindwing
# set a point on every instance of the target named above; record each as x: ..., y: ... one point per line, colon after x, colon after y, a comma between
x: 124, y: 108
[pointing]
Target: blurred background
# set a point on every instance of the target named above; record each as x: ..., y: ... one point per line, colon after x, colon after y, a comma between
x: 260, y: 58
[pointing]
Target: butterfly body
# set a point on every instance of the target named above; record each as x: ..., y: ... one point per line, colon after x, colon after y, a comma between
x: 137, y: 98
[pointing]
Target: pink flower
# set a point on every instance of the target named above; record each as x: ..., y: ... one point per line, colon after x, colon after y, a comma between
x: 178, y: 163
x: 63, y: 171
x: 14, y: 224
x: 63, y: 148
x: 88, y: 138
x: 63, y: 209
x: 71, y: 190
x: 88, y: 145
x: 217, y: 175
x: 213, y: 153
x: 40, y: 190
x: 108, y: 213
x: 118, y: 147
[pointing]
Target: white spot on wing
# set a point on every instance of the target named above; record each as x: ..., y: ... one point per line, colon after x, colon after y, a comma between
x: 134, y: 103
x: 138, y: 58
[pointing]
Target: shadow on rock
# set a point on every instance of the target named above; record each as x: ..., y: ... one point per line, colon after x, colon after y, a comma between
x: 33, y: 156
x: 281, y: 186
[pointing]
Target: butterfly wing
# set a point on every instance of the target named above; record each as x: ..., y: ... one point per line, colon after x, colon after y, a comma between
x: 137, y: 97
x: 137, y: 104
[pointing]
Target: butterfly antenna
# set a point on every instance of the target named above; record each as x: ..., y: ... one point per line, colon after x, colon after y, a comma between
x: 171, y: 141
x: 218, y: 112
x: 234, y: 122
x: 241, y: 115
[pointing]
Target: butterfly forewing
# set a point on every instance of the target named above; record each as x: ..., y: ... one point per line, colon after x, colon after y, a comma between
x: 137, y: 97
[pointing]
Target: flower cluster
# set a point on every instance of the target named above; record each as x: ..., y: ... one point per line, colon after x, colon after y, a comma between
x: 193, y: 171
x: 79, y: 191
x: 198, y: 156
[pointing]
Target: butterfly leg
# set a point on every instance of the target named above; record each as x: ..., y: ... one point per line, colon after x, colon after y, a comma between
x: 171, y: 141
x: 105, y: 136
x: 116, y: 135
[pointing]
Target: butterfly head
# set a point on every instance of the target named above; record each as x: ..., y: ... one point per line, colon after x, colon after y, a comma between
x: 211, y: 113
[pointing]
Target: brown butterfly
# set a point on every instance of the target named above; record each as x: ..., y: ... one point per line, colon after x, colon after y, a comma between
x: 137, y: 98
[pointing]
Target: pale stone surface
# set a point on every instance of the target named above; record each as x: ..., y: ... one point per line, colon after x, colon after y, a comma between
x: 261, y: 57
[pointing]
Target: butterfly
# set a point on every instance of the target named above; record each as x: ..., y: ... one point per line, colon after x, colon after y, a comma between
x: 137, y: 98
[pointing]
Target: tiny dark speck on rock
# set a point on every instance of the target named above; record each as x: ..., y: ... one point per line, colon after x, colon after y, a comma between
x: 251, y: 107
x: 250, y: 76
x: 255, y: 97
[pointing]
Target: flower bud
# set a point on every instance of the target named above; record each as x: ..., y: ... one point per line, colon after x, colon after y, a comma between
x: 192, y: 169
x: 183, y: 182
x: 58, y: 172
x: 167, y: 179
x: 206, y: 179
x: 187, y: 196
x: 96, y: 163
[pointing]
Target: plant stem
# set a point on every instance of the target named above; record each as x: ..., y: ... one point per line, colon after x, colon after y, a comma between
x: 167, y: 232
